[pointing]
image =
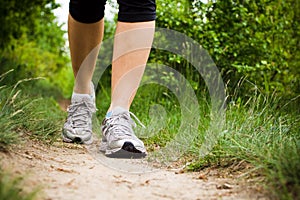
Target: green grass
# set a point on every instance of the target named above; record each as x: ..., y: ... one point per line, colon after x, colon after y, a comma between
x: 22, y: 114
x: 267, y: 137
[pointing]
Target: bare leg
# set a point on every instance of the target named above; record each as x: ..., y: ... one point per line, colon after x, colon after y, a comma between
x: 84, y: 41
x: 132, y: 46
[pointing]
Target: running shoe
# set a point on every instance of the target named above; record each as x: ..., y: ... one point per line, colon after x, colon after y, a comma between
x: 118, y: 138
x: 78, y: 126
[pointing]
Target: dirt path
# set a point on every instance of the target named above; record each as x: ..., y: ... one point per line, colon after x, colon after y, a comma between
x: 67, y: 171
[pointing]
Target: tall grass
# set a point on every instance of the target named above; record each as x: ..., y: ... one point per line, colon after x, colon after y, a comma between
x: 260, y: 132
x: 21, y: 114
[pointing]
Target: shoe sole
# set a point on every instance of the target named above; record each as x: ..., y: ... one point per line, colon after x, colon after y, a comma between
x: 77, y: 140
x: 128, y: 150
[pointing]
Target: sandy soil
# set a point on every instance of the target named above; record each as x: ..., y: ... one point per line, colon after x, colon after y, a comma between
x: 68, y: 171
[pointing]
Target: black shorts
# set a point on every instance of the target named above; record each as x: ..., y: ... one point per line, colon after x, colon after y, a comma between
x: 91, y: 11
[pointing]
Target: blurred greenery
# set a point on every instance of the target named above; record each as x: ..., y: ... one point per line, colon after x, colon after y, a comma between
x: 11, y: 188
x: 32, y: 43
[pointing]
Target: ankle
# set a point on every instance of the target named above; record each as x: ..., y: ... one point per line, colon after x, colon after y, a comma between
x: 85, y: 89
x: 113, y: 107
x: 82, y: 90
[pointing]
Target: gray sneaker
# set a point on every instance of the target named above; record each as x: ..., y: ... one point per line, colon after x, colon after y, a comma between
x: 118, y: 138
x: 78, y: 127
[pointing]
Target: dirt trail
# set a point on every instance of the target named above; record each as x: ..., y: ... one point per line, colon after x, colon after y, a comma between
x: 68, y: 171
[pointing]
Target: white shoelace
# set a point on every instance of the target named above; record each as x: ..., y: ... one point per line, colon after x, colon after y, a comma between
x: 120, y: 125
x: 80, y: 113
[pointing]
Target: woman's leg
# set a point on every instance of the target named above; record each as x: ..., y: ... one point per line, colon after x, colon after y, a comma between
x: 132, y: 44
x: 85, y: 30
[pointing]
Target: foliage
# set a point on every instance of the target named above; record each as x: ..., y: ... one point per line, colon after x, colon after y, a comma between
x: 19, y: 17
x: 32, y: 43
x: 256, y: 39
